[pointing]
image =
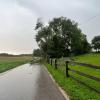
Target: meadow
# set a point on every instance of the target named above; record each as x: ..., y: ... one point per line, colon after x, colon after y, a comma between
x: 74, y: 89
x: 7, y: 63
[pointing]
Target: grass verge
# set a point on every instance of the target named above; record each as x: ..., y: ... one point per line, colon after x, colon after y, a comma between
x: 75, y: 90
x: 7, y: 63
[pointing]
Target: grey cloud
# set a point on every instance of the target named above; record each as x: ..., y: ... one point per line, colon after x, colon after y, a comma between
x: 18, y: 19
x: 16, y: 33
x: 78, y: 10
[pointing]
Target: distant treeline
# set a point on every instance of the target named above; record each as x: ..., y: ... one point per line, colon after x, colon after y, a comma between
x: 11, y: 55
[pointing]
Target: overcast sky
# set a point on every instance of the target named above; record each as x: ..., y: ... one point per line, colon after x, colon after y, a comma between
x: 18, y: 19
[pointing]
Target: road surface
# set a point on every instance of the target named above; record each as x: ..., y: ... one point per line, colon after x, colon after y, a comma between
x: 28, y: 82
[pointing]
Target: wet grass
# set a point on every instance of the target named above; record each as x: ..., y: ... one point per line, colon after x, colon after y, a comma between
x: 7, y: 63
x: 76, y: 90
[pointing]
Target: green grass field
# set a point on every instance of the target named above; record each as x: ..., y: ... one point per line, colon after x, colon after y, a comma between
x: 7, y: 63
x: 76, y: 90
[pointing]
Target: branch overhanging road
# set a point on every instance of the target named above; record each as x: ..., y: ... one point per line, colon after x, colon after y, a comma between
x: 28, y: 83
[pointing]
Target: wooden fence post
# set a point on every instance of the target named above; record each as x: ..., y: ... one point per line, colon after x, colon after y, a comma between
x: 55, y: 63
x: 51, y: 62
x: 67, y: 74
x: 47, y: 60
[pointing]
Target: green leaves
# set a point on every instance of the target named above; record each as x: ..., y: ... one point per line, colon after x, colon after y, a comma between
x: 96, y: 43
x: 61, y: 37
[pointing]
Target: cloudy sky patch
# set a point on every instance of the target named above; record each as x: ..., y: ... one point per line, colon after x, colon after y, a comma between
x: 18, y: 19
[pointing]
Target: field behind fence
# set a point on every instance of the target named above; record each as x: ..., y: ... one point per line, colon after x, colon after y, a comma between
x: 83, y: 73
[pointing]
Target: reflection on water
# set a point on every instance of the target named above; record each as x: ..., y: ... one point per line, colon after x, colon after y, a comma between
x: 19, y: 83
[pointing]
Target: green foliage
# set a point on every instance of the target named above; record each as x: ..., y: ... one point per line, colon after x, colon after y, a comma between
x: 81, y: 45
x: 39, y: 24
x: 76, y: 90
x: 7, y: 63
x: 37, y: 53
x: 55, y: 47
x: 96, y: 43
x: 61, y: 37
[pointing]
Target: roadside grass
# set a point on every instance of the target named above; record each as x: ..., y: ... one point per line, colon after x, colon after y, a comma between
x: 76, y: 90
x: 92, y: 58
x: 7, y: 63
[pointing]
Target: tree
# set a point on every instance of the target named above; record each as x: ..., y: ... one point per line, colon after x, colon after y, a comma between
x: 73, y: 40
x: 39, y: 24
x: 61, y: 37
x: 43, y: 37
x: 96, y: 43
x: 37, y: 53
x: 55, y: 47
x: 86, y: 47
x: 81, y: 45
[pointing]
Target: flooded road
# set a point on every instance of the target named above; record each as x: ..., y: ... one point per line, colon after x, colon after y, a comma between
x: 28, y: 83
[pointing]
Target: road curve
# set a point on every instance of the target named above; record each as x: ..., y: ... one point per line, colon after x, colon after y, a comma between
x: 28, y: 83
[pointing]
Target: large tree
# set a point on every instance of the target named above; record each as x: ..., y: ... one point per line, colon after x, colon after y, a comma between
x: 61, y: 37
x: 74, y: 41
x: 96, y: 43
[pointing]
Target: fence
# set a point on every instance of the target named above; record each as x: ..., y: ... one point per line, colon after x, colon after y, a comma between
x: 68, y: 69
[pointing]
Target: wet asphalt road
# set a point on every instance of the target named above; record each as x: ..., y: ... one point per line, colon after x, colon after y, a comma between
x: 28, y: 83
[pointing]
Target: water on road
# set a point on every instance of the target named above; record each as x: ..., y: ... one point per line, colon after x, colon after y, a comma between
x: 19, y: 83
x: 28, y: 83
